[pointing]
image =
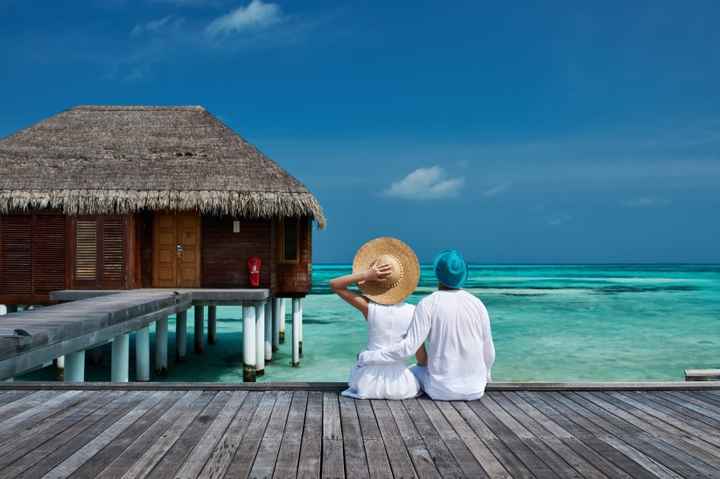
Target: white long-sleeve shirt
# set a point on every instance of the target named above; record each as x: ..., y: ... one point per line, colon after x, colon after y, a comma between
x: 460, y: 347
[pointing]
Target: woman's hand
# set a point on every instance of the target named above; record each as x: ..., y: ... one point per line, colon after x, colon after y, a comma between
x: 377, y: 272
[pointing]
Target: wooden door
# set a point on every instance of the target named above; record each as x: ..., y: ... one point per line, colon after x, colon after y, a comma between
x: 176, y: 251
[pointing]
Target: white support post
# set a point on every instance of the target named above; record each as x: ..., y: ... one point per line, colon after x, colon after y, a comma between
x: 142, y: 354
x: 268, y: 330
x: 281, y: 330
x: 181, y: 336
x: 260, y: 339
x: 212, y: 324
x: 120, y: 359
x: 276, y: 324
x: 198, y: 333
x: 295, y: 332
x: 249, y: 357
x: 60, y: 365
x: 161, y: 345
x: 75, y: 367
x: 300, y: 334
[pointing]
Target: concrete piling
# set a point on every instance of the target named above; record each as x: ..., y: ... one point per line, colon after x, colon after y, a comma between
x: 259, y: 339
x: 300, y: 334
x: 296, y: 318
x: 212, y: 324
x: 181, y: 336
x: 161, y: 344
x: 281, y: 331
x: 249, y: 341
x: 268, y: 330
x: 142, y: 354
x: 75, y: 367
x: 198, y: 334
x: 120, y: 359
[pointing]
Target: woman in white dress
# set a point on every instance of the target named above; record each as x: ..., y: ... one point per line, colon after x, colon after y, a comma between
x: 387, y: 271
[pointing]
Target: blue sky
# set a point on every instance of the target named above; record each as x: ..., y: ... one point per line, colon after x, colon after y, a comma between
x: 538, y: 132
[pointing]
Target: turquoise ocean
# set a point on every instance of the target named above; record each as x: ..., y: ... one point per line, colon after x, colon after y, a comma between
x: 549, y: 323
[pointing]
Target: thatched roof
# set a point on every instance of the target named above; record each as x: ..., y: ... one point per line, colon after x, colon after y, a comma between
x: 120, y: 159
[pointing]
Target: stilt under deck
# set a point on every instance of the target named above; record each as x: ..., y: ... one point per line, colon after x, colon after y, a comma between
x: 308, y: 430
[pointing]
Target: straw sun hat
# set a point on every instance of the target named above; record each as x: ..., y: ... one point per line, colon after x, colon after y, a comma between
x: 404, y: 265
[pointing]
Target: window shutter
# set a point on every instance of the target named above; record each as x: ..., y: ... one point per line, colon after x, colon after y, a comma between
x: 16, y: 255
x: 48, y: 253
x: 113, y: 251
x: 86, y: 250
x: 290, y: 239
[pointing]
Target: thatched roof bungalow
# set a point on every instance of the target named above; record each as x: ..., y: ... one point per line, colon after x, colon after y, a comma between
x: 111, y: 197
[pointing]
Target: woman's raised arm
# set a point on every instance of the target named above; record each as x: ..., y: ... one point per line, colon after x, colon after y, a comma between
x: 359, y: 302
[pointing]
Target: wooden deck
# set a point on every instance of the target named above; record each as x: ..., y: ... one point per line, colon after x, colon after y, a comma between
x: 238, y: 433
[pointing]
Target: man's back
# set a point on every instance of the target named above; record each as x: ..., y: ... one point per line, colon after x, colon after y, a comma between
x: 459, y: 345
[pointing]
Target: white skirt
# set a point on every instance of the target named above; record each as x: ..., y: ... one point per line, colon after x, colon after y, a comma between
x: 388, y: 381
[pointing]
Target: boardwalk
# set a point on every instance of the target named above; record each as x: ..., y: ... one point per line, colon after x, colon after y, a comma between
x: 276, y: 433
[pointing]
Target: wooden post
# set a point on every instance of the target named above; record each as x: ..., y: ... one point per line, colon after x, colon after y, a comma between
x: 161, y: 343
x: 295, y: 333
x: 249, y: 357
x: 276, y: 324
x: 198, y: 334
x: 268, y: 330
x: 120, y: 359
x: 75, y: 367
x: 300, y: 334
x: 281, y: 334
x: 142, y: 354
x: 212, y: 324
x: 181, y: 335
x: 260, y: 339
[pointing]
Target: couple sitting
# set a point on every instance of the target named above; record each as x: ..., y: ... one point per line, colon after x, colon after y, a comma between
x: 448, y: 331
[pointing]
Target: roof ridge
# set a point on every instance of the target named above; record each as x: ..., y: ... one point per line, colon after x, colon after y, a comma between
x: 137, y: 107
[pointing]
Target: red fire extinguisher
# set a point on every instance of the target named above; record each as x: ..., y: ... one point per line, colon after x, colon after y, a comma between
x: 254, y: 265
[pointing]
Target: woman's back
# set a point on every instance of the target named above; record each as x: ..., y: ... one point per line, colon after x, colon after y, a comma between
x: 387, y: 324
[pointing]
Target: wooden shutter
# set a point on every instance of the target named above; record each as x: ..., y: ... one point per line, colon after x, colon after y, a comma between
x: 16, y: 255
x: 86, y: 246
x: 48, y: 254
x: 113, y: 251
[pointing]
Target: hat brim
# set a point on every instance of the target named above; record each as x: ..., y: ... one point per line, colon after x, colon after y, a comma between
x: 405, y: 286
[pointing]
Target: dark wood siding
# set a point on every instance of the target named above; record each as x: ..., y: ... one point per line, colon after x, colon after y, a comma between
x: 32, y: 257
x: 225, y: 254
x: 293, y: 278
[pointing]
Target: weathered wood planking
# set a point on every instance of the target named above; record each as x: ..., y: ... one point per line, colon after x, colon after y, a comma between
x: 224, y: 433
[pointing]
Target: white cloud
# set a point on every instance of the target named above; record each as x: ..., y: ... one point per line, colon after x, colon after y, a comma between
x: 161, y: 25
x: 426, y: 184
x: 496, y: 190
x: 257, y: 15
x: 646, y: 202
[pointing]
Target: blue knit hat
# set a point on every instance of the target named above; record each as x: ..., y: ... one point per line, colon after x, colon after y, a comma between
x: 450, y: 268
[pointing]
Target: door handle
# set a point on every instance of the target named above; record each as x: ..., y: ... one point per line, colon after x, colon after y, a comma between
x: 179, y: 249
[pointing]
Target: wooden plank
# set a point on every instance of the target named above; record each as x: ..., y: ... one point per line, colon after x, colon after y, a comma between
x: 688, y: 410
x: 333, y: 464
x: 693, y: 402
x: 158, y: 428
x: 43, y: 459
x: 546, y: 445
x: 8, y: 397
x: 585, y: 431
x: 245, y: 455
x: 622, y: 436
x: 517, y: 440
x: 583, y: 450
x: 286, y: 466
x: 375, y: 448
x: 311, y: 449
x: 31, y: 401
x: 10, y: 427
x: 31, y: 438
x: 227, y: 446
x: 463, y: 456
x: 266, y: 457
x: 204, y: 448
x: 159, y: 446
x: 441, y: 456
x: 400, y: 461
x: 173, y: 460
x: 419, y: 455
x: 89, y: 452
x: 356, y: 463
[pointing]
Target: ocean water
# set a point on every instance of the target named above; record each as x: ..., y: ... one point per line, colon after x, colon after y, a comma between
x: 549, y: 323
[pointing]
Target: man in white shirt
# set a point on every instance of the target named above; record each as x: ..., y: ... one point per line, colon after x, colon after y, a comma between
x: 456, y: 326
